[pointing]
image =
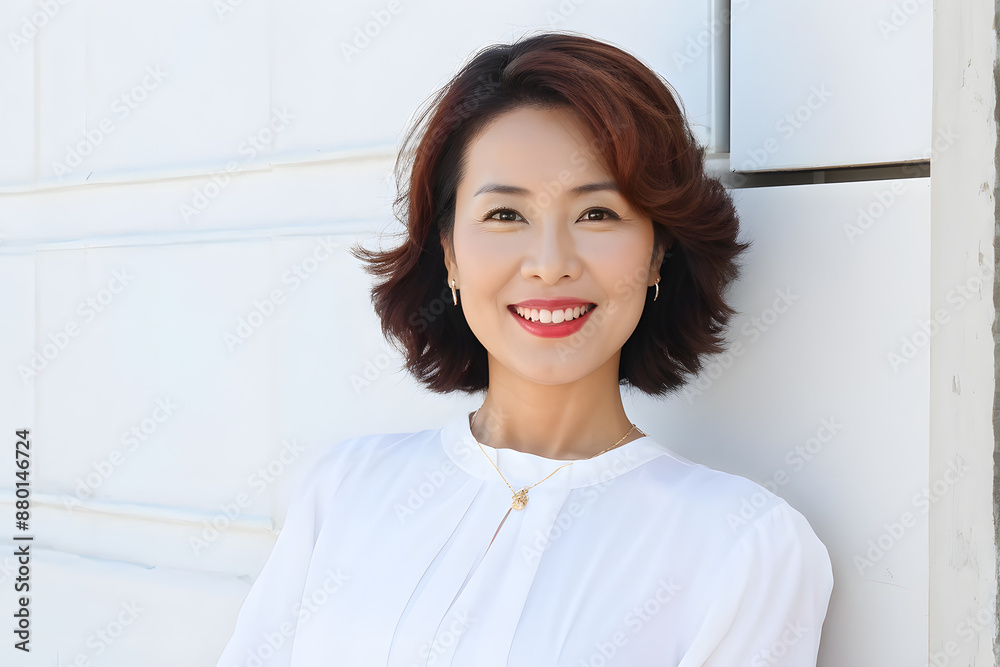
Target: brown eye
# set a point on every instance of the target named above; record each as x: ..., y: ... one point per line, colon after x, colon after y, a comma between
x: 504, y: 215
x: 600, y: 214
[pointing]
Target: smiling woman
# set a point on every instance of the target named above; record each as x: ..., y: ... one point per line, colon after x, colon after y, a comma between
x: 558, y: 263
x: 555, y: 187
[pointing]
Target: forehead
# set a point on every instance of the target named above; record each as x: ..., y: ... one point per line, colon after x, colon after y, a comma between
x: 531, y: 144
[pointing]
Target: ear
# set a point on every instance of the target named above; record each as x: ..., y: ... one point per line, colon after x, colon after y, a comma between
x: 654, y: 266
x: 449, y: 259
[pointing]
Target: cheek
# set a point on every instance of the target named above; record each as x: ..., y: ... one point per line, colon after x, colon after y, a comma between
x: 485, y: 259
x: 621, y: 266
x: 482, y: 275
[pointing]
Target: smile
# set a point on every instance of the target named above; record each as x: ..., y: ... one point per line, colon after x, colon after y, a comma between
x: 555, y: 323
x: 552, y: 316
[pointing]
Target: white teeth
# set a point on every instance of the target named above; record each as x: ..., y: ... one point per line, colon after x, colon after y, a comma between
x: 551, y: 316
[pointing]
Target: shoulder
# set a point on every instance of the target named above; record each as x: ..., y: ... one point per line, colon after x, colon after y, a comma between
x: 757, y: 569
x: 712, y: 492
x: 733, y: 511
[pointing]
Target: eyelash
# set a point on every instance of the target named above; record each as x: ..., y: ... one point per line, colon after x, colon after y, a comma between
x: 493, y: 211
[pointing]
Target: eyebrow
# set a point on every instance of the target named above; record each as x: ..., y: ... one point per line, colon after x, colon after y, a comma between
x: 514, y: 190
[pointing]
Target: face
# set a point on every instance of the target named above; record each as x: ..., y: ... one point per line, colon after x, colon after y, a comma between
x: 551, y: 262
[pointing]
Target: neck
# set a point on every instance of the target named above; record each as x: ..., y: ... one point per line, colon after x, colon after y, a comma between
x: 568, y: 421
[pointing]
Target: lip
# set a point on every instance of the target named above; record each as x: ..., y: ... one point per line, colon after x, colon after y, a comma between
x: 553, y: 304
x: 560, y: 330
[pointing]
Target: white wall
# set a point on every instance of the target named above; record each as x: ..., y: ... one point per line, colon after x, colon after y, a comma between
x: 202, y: 228
x: 818, y: 85
x: 963, y: 555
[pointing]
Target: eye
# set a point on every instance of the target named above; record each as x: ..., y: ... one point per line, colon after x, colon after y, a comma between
x: 600, y: 214
x: 503, y: 214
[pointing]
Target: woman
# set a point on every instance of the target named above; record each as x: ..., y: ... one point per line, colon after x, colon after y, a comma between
x: 562, y: 240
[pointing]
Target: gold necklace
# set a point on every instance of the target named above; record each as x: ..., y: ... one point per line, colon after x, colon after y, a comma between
x: 520, y: 498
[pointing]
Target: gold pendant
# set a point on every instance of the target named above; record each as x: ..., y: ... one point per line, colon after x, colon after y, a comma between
x: 520, y: 499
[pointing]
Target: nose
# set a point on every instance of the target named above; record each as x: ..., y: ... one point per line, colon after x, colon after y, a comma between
x: 551, y: 253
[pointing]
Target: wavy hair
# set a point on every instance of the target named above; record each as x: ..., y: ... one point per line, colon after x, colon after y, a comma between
x: 641, y: 134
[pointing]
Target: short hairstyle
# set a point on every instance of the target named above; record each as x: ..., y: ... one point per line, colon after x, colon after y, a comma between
x: 641, y: 135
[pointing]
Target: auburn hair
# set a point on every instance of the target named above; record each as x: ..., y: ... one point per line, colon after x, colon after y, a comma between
x: 644, y: 140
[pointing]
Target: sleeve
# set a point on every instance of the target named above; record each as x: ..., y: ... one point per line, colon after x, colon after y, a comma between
x: 771, y: 600
x: 265, y: 627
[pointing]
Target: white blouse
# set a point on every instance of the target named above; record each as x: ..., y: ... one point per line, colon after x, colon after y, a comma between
x: 396, y: 551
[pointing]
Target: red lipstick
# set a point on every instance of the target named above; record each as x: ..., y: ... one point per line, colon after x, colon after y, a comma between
x: 552, y: 330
